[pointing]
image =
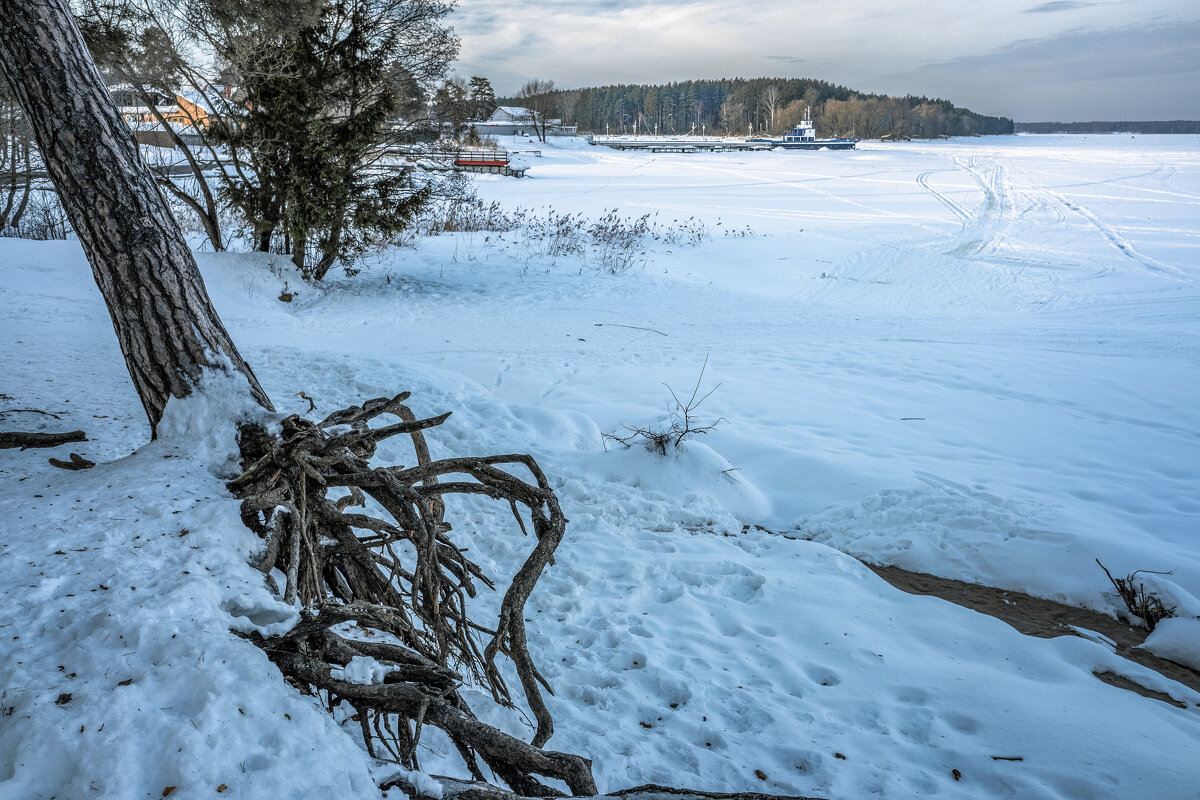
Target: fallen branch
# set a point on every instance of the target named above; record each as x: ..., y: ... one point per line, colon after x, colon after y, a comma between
x: 28, y: 411
x: 682, y: 418
x: 24, y: 440
x: 649, y: 789
x: 454, y: 789
x: 77, y: 462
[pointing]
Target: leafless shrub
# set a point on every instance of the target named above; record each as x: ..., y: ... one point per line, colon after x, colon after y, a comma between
x: 619, y: 244
x: 689, y: 232
x: 44, y: 219
x: 1146, y: 605
x: 613, y: 243
x: 469, y: 216
x: 679, y: 425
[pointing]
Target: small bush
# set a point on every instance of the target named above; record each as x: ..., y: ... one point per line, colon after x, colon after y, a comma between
x: 1145, y: 605
x: 679, y: 425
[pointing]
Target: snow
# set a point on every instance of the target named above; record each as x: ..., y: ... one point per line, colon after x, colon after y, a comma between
x: 975, y: 358
x: 361, y: 669
x: 1176, y: 639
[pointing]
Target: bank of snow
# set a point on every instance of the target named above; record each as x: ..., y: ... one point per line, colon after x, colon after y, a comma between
x: 121, y: 674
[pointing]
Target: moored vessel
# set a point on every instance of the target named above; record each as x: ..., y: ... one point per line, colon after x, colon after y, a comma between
x: 804, y: 137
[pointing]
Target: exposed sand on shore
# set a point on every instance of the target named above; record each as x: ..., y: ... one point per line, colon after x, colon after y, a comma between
x: 1047, y: 619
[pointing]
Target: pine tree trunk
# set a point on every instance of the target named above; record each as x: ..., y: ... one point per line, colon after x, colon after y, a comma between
x: 165, y: 323
x: 299, y: 250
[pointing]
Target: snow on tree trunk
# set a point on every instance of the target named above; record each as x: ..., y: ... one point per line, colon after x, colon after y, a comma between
x: 167, y: 327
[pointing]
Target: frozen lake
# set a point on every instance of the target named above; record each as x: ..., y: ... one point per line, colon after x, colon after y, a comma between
x: 975, y: 358
x: 1034, y: 299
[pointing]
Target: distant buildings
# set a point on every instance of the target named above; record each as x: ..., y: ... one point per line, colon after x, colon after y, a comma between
x: 187, y: 112
x: 518, y: 121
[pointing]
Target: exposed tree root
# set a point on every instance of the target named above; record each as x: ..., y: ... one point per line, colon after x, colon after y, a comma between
x: 652, y: 789
x: 453, y: 789
x: 392, y: 569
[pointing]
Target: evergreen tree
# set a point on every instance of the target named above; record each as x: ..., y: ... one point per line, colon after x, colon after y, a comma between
x: 322, y: 85
x: 452, y: 107
x: 312, y: 118
x: 481, y: 97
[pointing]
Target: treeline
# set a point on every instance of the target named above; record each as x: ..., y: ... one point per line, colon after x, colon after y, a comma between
x: 764, y: 105
x: 1143, y: 126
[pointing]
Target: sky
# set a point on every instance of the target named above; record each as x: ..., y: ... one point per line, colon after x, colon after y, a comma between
x: 1031, y: 60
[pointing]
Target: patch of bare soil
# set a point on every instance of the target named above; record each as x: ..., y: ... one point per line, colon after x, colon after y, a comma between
x: 1047, y: 619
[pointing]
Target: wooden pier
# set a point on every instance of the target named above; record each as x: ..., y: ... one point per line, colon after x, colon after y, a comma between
x: 466, y: 159
x: 679, y: 144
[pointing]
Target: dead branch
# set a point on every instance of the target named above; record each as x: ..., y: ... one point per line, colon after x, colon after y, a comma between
x: 77, y: 462
x: 454, y: 789
x: 634, y: 327
x: 402, y: 575
x: 24, y: 440
x: 28, y: 411
x: 1142, y: 604
x: 650, y: 789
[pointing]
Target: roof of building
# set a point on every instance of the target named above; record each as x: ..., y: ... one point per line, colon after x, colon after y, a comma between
x: 513, y: 114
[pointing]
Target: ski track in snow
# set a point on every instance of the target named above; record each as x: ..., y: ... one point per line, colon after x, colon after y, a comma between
x: 973, y: 358
x: 941, y: 196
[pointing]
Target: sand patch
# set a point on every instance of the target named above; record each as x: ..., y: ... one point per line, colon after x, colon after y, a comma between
x: 1047, y: 619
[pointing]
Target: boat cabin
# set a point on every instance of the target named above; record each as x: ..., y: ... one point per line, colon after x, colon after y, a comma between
x: 804, y: 132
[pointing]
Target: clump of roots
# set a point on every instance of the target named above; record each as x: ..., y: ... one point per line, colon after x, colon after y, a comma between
x: 387, y: 582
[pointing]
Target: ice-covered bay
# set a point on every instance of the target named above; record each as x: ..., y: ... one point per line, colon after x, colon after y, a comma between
x: 976, y: 358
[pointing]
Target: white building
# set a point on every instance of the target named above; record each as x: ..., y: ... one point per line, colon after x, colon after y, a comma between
x: 518, y: 121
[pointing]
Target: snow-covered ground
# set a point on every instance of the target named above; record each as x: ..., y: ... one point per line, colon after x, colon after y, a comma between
x: 975, y: 358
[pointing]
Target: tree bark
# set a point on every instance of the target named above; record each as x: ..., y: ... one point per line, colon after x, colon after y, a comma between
x: 166, y: 325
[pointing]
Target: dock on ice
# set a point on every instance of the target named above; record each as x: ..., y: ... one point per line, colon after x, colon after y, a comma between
x: 678, y: 144
x: 497, y: 161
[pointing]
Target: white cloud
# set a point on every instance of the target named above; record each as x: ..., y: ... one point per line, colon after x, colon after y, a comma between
x: 1147, y: 72
x: 931, y: 47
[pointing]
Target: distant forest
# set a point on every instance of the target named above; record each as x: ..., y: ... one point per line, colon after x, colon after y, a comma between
x: 764, y: 105
x: 1170, y: 126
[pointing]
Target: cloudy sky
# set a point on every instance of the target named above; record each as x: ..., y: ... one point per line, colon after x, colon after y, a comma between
x: 1030, y: 60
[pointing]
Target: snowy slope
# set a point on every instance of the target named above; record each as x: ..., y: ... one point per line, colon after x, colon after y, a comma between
x: 972, y: 358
